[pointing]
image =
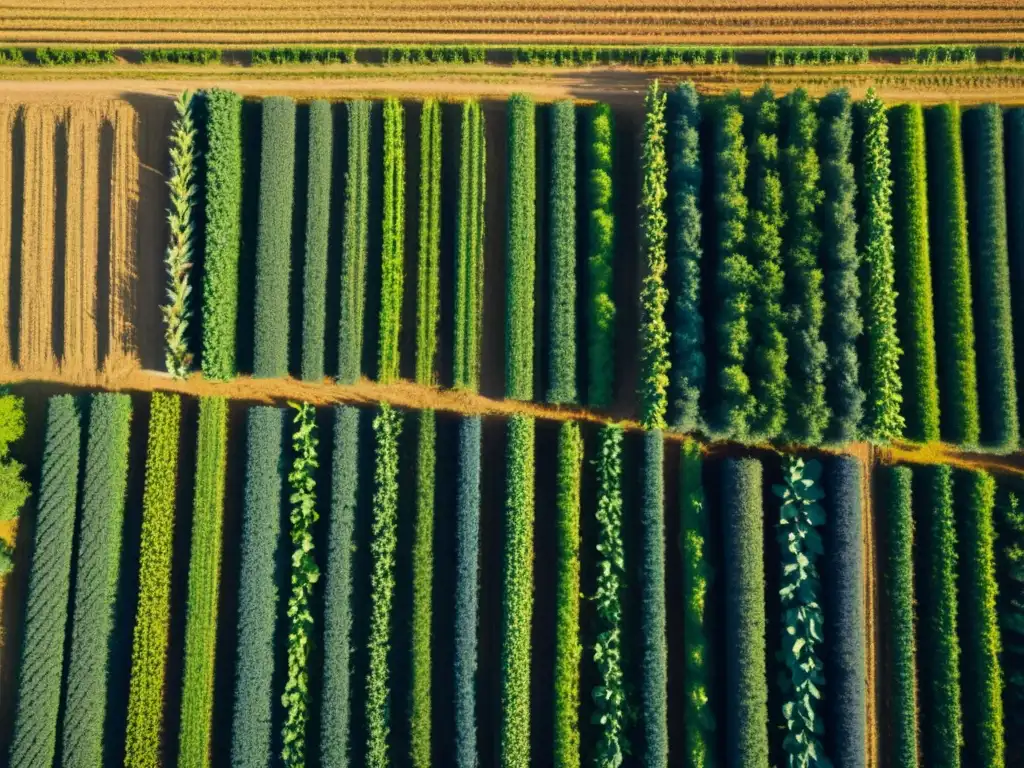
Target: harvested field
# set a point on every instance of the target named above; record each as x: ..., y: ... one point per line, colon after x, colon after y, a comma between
x: 124, y: 200
x: 734, y: 22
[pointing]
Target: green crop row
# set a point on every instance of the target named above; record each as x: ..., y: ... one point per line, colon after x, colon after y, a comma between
x: 649, y: 56
x: 942, y: 54
x: 354, y: 243
x: 49, y: 582
x: 654, y: 362
x: 14, y: 488
x: 153, y: 613
x: 1013, y: 125
x: 600, y: 126
x: 654, y: 682
x: 392, y: 267
x: 306, y: 55
x: 422, y: 586
x: 562, y: 254
x: 467, y: 590
x: 1010, y: 564
x: 517, y: 593
x: 181, y: 55
x: 434, y: 54
x: 318, y: 217
x: 833, y: 54
x: 387, y: 427
x: 469, y: 250
x: 522, y: 248
x: 428, y: 275
x: 204, y: 585
x: 64, y: 57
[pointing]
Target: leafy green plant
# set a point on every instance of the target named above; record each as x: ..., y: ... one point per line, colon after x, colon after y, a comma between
x: 64, y: 57
x: 14, y: 488
x: 562, y: 248
x: 392, y: 270
x: 522, y: 246
x: 517, y: 593
x: 318, y: 216
x: 387, y: 427
x: 609, y: 695
x: 883, y: 420
x: 181, y: 55
x: 422, y: 586
x: 304, y: 55
x: 354, y: 243
x: 469, y: 249
x: 46, y: 612
x: 568, y: 650
x: 178, y: 260
x: 600, y: 256
x: 467, y: 590
x: 153, y: 614
x: 655, y: 642
x: 654, y: 337
x: 800, y: 518
x: 428, y: 279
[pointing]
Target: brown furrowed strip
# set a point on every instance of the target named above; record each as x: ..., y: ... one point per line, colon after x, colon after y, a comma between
x: 80, y: 339
x: 124, y: 191
x: 7, y: 114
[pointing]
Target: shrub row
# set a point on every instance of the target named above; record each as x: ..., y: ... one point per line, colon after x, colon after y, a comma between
x: 687, y: 369
x: 517, y: 593
x: 520, y: 264
x: 274, y: 238
x: 840, y: 261
x: 304, y: 574
x: 467, y: 590
x: 354, y: 244
x: 46, y: 612
x: 14, y: 488
x: 745, y: 624
x: 98, y: 561
x: 768, y: 340
x: 954, y: 322
x: 422, y: 587
x: 434, y: 54
x: 611, y: 711
x: 222, y: 154
x: 843, y: 572
x: 698, y: 716
x: 335, y: 708
x: 11, y: 56
x: 883, y: 420
x: 153, y: 614
x: 600, y: 126
x: 562, y: 254
x: 204, y: 584
x: 568, y: 651
x: 181, y: 55
x: 894, y: 484
x: 318, y: 217
x: 392, y: 265
x: 295, y: 55
x: 942, y: 54
x: 833, y: 54
x: 939, y: 649
x: 576, y: 56
x: 469, y: 249
x: 655, y: 646
x: 654, y: 362
x: 428, y: 276
x: 387, y: 427
x: 979, y: 627
x: 257, y: 588
x: 177, y: 312
x: 1010, y: 558
x: 915, y: 319
x: 62, y: 57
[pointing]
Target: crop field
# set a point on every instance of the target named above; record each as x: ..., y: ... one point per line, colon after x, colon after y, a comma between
x: 660, y: 409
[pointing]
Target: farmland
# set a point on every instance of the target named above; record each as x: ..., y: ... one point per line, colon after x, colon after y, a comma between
x: 486, y: 396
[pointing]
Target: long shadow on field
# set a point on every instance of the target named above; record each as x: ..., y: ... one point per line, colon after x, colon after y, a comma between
x: 300, y: 213
x: 335, y: 236
x: 103, y: 243
x: 17, y: 224
x: 252, y: 113
x: 443, y: 604
x: 60, y: 239
x: 451, y: 137
x: 413, y: 111
x: 492, y: 347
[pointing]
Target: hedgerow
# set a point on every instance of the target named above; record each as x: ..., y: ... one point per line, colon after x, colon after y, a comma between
x: 11, y: 55
x: 392, y: 270
x: 745, y: 663
x: 698, y: 716
x: 204, y: 585
x: 257, y: 589
x: 802, y: 56
x: 939, y: 650
x: 422, y: 586
x: 840, y: 261
x: 655, y: 648
x: 354, y: 243
x: 14, y: 488
x: 883, y: 420
x: 894, y: 483
x: 802, y: 622
x: 387, y: 426
x: 97, y: 567
x: 654, y: 338
x: 1013, y: 125
x: 181, y: 55
x: 609, y: 695
x: 433, y: 54
x: 954, y: 321
x: 843, y: 571
x: 915, y: 320
x: 1010, y: 558
x: 520, y: 261
x: 469, y: 250
x: 274, y: 238
x: 804, y: 296
x: 177, y: 312
x: 335, y: 706
x: 306, y: 55
x: 517, y: 593
x: 153, y: 615
x: 943, y: 54
x: 600, y: 256
x: 318, y: 217
x: 733, y: 401
x: 428, y: 276
x: 986, y: 216
x: 304, y: 574
x: 562, y: 254
x: 645, y: 55
x: 982, y: 683
x: 222, y: 153
x: 62, y: 57
x: 467, y: 590
x: 46, y: 609
x: 687, y: 371
x: 568, y: 650
x: 768, y: 342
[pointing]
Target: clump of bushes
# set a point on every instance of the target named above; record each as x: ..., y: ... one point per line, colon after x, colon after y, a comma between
x: 345, y: 55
